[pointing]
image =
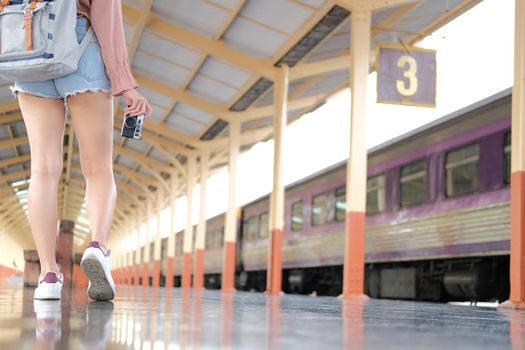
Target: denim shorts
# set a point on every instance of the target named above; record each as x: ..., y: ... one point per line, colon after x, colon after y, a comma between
x: 90, y: 76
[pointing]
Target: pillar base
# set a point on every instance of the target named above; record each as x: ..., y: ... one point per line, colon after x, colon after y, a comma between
x: 354, y: 297
x: 129, y: 275
x: 136, y: 282
x: 198, y: 276
x: 156, y: 273
x: 169, y: 272
x: 278, y: 293
x: 228, y: 268
x: 145, y: 275
x: 512, y: 305
x: 354, y: 260
x: 186, y: 271
x: 275, y: 263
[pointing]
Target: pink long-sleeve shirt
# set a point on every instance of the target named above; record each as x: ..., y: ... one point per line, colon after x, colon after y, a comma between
x: 106, y: 19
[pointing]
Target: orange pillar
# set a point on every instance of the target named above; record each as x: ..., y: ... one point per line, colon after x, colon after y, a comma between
x: 157, y: 247
x: 138, y: 266
x: 517, y: 184
x: 129, y: 268
x: 138, y: 254
x: 147, y: 246
x: 188, y: 232
x: 275, y: 264
x: 198, y: 273
x: 354, y: 250
x: 230, y: 228
x: 170, y: 260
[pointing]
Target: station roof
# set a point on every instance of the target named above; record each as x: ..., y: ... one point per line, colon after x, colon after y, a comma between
x: 203, y: 64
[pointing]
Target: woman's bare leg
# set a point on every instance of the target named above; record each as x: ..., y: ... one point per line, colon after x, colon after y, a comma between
x: 92, y: 120
x: 45, y: 122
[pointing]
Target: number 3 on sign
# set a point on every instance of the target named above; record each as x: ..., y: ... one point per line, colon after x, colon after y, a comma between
x: 410, y: 65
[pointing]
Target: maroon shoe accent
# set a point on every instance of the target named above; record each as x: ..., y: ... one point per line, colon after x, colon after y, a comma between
x: 51, y: 277
x: 95, y: 244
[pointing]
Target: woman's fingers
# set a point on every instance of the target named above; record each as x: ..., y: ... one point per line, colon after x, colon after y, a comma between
x: 148, y: 111
x: 137, y: 104
x: 134, y: 104
x: 136, y: 109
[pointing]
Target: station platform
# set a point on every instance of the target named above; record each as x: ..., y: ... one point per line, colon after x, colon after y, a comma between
x: 158, y: 318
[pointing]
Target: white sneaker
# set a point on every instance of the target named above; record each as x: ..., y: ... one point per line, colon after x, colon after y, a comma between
x: 97, y: 266
x: 49, y: 287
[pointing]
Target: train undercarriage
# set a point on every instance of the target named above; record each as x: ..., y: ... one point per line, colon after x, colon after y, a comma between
x: 468, y: 279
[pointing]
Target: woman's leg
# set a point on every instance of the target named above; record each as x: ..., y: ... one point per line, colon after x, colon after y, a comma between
x: 44, y: 119
x: 92, y: 120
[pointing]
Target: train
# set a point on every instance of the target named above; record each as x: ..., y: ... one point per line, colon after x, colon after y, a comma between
x: 437, y: 221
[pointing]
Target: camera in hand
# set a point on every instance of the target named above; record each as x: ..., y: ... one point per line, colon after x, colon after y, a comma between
x: 132, y: 126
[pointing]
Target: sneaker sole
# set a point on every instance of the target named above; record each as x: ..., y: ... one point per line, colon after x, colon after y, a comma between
x: 100, y: 288
x: 47, y: 297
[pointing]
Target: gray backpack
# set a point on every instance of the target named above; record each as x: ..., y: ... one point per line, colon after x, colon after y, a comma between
x: 38, y: 39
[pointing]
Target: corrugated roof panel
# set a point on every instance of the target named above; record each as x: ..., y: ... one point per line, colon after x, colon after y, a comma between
x: 4, y: 133
x: 314, y: 3
x: 155, y: 97
x: 161, y: 70
x: 336, y: 45
x: 257, y: 123
x: 186, y: 126
x: 193, y: 113
x: 19, y: 128
x: 283, y: 15
x: 169, y: 50
x: 155, y: 154
x: 6, y: 94
x: 126, y: 161
x: 211, y: 90
x: 24, y: 149
x: 225, y: 73
x: 137, y: 145
x: 266, y: 98
x: 231, y: 4
x: 195, y: 15
x: 158, y: 113
x: 119, y: 176
x: 328, y: 83
x: 242, y: 32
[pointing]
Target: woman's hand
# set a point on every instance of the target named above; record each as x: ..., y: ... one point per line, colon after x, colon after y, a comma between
x: 136, y: 104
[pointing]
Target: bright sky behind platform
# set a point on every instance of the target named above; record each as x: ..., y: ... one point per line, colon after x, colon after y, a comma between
x: 475, y: 55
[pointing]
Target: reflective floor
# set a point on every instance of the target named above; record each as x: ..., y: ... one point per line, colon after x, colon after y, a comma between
x: 147, y: 318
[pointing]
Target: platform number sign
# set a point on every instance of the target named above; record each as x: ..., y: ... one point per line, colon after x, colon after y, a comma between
x: 406, y: 76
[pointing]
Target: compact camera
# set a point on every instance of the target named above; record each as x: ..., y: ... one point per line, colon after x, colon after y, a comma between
x: 132, y: 126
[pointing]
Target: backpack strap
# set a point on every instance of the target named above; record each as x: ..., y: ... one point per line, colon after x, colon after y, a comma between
x: 28, y: 23
x: 3, y: 3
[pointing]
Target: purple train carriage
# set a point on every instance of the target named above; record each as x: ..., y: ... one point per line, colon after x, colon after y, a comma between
x: 438, y: 217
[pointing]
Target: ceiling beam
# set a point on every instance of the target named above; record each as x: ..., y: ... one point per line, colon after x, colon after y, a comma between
x: 217, y: 49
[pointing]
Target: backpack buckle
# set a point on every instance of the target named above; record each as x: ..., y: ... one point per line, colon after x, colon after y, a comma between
x: 28, y: 14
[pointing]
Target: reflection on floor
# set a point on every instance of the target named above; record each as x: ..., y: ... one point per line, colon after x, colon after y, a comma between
x: 147, y: 318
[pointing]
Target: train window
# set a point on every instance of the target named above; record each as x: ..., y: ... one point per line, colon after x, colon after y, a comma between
x: 462, y: 167
x: 507, y: 158
x: 179, y: 243
x: 322, y: 209
x: 375, y: 194
x: 208, y: 240
x: 297, y: 215
x: 414, y: 184
x: 340, y: 203
x: 251, y: 227
x: 219, y: 237
x: 264, y: 225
